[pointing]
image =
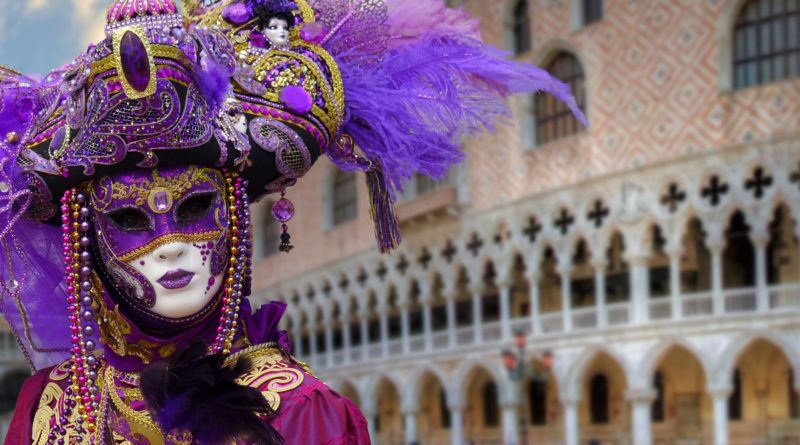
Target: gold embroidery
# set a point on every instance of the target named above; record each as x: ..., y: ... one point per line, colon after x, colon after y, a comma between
x: 271, y: 374
x: 140, y: 421
x: 48, y: 404
x: 51, y: 403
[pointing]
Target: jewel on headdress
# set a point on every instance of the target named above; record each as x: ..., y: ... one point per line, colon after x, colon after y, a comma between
x: 134, y: 61
x: 296, y: 99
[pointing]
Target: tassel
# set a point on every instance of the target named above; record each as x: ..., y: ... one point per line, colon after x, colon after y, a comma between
x: 387, y: 230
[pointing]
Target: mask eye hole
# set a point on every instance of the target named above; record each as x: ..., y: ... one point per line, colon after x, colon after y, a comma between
x: 194, y: 208
x: 130, y: 219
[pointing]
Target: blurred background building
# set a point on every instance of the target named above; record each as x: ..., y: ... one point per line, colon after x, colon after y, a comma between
x: 636, y: 282
x: 649, y: 264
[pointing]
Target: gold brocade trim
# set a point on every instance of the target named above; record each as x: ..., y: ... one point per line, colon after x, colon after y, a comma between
x: 143, y: 189
x: 114, y: 327
x: 167, y: 239
x: 51, y: 403
x: 271, y: 373
x: 140, y: 421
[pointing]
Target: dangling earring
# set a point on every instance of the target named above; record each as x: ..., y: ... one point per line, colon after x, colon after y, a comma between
x: 283, y: 212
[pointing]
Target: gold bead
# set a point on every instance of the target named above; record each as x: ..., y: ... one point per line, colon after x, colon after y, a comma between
x: 12, y: 137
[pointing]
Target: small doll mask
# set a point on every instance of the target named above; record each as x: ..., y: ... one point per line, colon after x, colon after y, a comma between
x: 161, y: 237
x: 277, y: 33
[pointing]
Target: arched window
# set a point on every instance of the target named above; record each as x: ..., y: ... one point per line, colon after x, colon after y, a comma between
x: 553, y: 119
x: 598, y: 404
x: 537, y: 399
x: 345, y: 198
x: 491, y: 415
x: 271, y: 233
x: 735, y: 400
x: 739, y: 256
x: 657, y: 412
x: 521, y: 27
x: 592, y: 11
x: 766, y: 42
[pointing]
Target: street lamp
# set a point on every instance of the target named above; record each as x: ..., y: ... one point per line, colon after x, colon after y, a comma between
x: 515, y: 363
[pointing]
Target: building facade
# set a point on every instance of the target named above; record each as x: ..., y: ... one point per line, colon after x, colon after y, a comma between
x: 651, y: 261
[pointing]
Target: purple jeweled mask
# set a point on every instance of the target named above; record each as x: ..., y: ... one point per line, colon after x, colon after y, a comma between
x: 161, y: 238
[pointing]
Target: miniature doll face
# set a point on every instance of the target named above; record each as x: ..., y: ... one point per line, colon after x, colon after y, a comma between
x: 162, y: 237
x: 277, y: 32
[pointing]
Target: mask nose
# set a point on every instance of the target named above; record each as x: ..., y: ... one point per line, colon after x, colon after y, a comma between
x: 171, y: 252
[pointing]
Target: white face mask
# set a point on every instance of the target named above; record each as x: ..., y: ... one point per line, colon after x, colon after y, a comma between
x: 180, y: 274
x: 277, y: 32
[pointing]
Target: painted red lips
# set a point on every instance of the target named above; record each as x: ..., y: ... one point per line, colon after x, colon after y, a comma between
x: 176, y: 279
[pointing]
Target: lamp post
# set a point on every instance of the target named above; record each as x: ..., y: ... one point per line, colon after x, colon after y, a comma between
x: 515, y: 363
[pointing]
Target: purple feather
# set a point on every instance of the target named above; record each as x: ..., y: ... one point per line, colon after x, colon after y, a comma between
x: 411, y: 110
x: 213, y: 79
x: 197, y: 393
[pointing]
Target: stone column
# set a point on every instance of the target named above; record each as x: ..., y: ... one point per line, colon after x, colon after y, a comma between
x: 505, y: 309
x: 599, y: 266
x: 640, y: 289
x: 510, y: 424
x: 718, y: 296
x: 642, y: 402
x: 405, y: 328
x: 370, y: 416
x: 675, y: 284
x: 384, y: 331
x: 719, y: 397
x: 329, y: 343
x: 313, y: 343
x: 364, y: 337
x: 410, y: 425
x: 456, y: 425
x: 760, y: 242
x: 427, y: 325
x: 346, y: 340
x: 566, y: 295
x: 451, y: 319
x: 477, y: 313
x: 571, y: 431
x: 535, y: 301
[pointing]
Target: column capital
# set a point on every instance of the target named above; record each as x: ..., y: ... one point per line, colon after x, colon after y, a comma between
x: 570, y: 401
x: 760, y: 238
x: 720, y: 392
x: 641, y: 395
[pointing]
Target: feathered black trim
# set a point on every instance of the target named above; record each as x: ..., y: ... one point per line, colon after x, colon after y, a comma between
x: 197, y: 393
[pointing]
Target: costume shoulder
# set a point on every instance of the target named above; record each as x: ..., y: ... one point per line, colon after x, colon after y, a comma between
x: 36, y: 400
x: 308, y: 411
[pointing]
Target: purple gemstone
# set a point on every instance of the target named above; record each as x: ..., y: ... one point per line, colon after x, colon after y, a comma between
x: 313, y: 32
x: 283, y: 210
x: 296, y: 99
x: 135, y: 63
x: 237, y: 14
x: 161, y: 201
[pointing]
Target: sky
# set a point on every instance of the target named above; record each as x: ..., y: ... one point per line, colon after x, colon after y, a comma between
x: 37, y: 36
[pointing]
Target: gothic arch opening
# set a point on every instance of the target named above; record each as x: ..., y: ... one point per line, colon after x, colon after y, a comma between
x: 682, y: 408
x: 389, y: 419
x: 482, y: 414
x: 764, y: 398
x: 604, y: 412
x: 433, y: 419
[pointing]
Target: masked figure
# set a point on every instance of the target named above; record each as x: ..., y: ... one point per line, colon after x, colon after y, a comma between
x: 125, y: 186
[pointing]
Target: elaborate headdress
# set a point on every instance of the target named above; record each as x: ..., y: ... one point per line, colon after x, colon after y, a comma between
x: 389, y: 88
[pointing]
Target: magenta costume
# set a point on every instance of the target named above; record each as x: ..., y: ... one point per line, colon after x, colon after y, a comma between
x: 126, y: 179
